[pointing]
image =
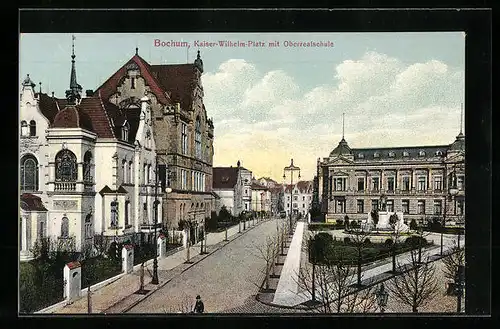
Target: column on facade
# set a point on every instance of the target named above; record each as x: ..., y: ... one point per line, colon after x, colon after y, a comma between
x: 429, y: 179
x: 382, y: 176
x: 413, y: 178
x: 24, y: 238
x: 396, y: 178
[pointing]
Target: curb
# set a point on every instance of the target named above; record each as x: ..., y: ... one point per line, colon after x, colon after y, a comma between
x: 222, y: 244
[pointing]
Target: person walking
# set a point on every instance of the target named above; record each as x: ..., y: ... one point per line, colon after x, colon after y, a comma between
x: 199, y: 307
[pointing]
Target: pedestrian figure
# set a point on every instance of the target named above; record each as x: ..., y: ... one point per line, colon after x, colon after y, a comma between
x: 199, y: 307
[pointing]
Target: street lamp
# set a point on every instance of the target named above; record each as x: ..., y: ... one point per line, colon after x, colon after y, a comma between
x: 154, y: 280
x: 291, y: 169
x: 452, y: 191
x: 382, y: 297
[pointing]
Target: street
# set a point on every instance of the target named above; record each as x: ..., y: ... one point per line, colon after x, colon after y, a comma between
x: 226, y: 279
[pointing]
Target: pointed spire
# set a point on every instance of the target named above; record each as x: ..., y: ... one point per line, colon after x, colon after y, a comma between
x: 198, y: 62
x: 73, y: 93
x: 137, y: 51
x: 40, y: 85
x: 461, y: 117
x: 343, y: 125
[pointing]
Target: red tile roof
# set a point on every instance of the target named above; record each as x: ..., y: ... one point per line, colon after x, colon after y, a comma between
x: 72, y: 117
x: 73, y: 265
x: 109, y: 87
x: 179, y: 80
x: 30, y: 202
x: 224, y: 177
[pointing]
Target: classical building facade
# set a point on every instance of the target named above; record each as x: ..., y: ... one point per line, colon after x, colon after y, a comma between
x: 89, y: 164
x: 416, y: 181
x: 300, y: 195
x: 182, y: 131
x: 233, y: 187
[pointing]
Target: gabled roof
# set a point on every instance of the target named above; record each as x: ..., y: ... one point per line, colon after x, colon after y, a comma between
x: 302, y: 186
x: 224, y: 177
x: 257, y: 186
x: 109, y: 87
x: 107, y: 190
x: 179, y: 80
x: 30, y: 202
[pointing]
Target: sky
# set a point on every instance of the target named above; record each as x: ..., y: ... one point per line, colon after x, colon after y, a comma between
x: 270, y: 104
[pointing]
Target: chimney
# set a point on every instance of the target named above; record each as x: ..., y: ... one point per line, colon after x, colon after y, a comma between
x: 89, y: 93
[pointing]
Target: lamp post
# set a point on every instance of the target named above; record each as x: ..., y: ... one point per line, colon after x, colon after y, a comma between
x: 452, y: 191
x: 154, y: 280
x: 291, y: 169
x: 382, y: 297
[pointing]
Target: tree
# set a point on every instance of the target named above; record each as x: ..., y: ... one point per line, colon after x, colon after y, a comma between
x: 267, y: 252
x: 417, y: 285
x: 452, y: 261
x: 358, y: 241
x: 413, y: 224
x: 374, y: 214
x: 396, y: 236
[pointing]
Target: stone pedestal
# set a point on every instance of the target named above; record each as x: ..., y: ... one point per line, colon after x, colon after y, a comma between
x: 128, y: 258
x: 161, y: 244
x: 72, y: 281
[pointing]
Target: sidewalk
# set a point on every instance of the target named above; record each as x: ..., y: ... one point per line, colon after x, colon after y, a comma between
x: 120, y: 295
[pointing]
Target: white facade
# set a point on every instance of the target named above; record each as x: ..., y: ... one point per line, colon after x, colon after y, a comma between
x: 301, y: 197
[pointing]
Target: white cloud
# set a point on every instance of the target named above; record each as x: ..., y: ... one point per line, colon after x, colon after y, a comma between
x: 264, y: 118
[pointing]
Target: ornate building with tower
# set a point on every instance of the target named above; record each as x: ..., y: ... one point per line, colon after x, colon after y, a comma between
x: 415, y: 180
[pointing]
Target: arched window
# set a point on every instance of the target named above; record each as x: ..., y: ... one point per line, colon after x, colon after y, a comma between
x: 125, y: 132
x: 29, y: 173
x: 127, y: 205
x: 124, y: 170
x: 24, y: 128
x: 66, y: 170
x: 65, y: 227
x: 32, y: 128
x: 87, y: 167
x: 197, y: 137
x: 114, y: 213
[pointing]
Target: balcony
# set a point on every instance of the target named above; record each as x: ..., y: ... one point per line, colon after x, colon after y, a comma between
x: 65, y: 186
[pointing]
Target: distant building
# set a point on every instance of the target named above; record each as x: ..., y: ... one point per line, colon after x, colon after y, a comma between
x: 261, y: 198
x: 415, y: 180
x: 277, y: 194
x: 267, y: 182
x: 301, y: 194
x: 233, y: 187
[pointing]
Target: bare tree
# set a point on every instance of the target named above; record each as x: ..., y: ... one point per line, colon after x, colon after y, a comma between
x: 267, y: 252
x: 417, y: 285
x: 396, y: 237
x: 358, y: 238
x: 452, y: 261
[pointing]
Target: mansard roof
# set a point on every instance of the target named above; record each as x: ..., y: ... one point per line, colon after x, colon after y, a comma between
x: 398, y: 153
x: 341, y: 149
x: 30, y: 202
x: 224, y: 177
x: 459, y: 143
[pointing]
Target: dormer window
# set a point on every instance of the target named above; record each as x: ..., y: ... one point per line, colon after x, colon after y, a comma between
x: 421, y: 153
x: 376, y: 155
x: 405, y: 154
x: 125, y: 133
x: 361, y: 155
x: 439, y: 153
x: 132, y: 84
x: 391, y: 154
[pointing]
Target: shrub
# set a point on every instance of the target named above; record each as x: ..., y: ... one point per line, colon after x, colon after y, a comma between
x: 374, y: 214
x: 367, y: 241
x: 340, y: 222
x: 318, y: 246
x: 413, y: 241
x: 388, y: 242
x: 413, y: 224
x: 347, y: 240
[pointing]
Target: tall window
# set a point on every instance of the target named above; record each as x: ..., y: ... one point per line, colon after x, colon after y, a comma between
x: 437, y: 207
x: 32, y: 128
x: 127, y: 210
x: 24, y: 129
x: 361, y: 206
x: 361, y: 184
x: 390, y: 205
x: 114, y: 213
x: 421, y: 207
x: 125, y: 133
x: 374, y: 204
x: 87, y: 167
x: 65, y: 227
x: 124, y: 170
x: 130, y: 173
x: 460, y: 182
x: 421, y: 183
x: 438, y: 183
x: 340, y: 206
x: 197, y: 137
x: 460, y: 207
x: 390, y: 183
x: 295, y: 198
x: 132, y: 83
x: 406, y: 206
x: 375, y: 183
x: 29, y: 173
x: 88, y: 226
x: 66, y: 170
x: 184, y: 138
x: 406, y: 183
x: 145, y: 174
x: 340, y: 184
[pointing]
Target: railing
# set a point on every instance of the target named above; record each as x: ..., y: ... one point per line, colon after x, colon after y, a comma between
x: 150, y: 226
x: 65, y: 186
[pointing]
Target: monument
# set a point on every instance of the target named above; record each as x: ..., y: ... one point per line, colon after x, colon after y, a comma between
x: 384, y: 219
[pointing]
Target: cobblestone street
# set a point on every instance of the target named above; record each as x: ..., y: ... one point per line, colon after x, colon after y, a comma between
x: 226, y: 280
